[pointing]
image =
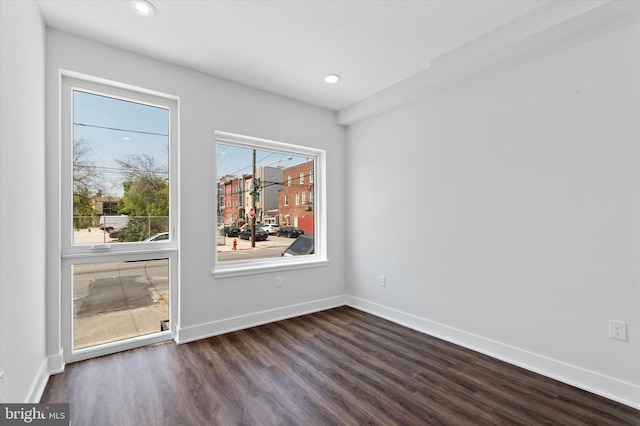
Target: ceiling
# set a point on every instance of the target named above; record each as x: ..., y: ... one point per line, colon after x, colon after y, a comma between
x: 287, y: 47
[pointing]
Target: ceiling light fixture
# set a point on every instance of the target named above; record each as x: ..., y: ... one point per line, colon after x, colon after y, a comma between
x: 332, y: 78
x: 142, y: 7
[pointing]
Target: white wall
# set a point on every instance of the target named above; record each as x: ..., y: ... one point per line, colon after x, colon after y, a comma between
x: 507, y: 218
x: 207, y: 304
x: 22, y: 212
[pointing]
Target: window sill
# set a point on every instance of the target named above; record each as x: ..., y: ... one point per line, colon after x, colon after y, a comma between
x: 238, y: 270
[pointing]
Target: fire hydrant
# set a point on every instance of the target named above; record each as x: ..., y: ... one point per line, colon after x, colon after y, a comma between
x: 235, y: 244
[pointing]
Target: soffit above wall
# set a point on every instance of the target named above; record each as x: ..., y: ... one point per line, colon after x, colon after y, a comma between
x: 544, y: 31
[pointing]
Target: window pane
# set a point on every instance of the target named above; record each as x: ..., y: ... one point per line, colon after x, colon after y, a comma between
x: 268, y: 181
x: 119, y: 300
x: 120, y: 169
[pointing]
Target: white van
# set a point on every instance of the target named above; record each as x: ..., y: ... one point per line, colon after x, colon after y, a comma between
x: 109, y: 223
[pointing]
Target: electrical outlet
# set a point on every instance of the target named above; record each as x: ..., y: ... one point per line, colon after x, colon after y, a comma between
x: 618, y: 330
x: 383, y: 280
x: 278, y: 281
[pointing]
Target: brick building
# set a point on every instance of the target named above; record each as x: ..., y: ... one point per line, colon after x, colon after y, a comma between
x: 296, y: 199
x: 230, y: 192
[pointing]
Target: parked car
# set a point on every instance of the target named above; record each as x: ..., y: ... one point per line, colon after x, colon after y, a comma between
x: 301, y: 246
x: 231, y: 231
x: 289, y: 231
x: 159, y: 237
x: 260, y: 234
x: 115, y: 232
x: 271, y: 228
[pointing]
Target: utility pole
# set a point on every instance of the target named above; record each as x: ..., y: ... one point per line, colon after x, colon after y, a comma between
x: 253, y: 202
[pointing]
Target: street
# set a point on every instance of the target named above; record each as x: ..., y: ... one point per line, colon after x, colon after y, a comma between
x: 272, y: 247
x: 155, y: 272
x: 116, y: 300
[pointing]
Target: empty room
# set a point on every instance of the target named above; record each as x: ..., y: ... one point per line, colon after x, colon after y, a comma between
x: 320, y: 212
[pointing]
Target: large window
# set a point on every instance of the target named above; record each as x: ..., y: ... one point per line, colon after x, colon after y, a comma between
x: 118, y: 217
x: 269, y: 224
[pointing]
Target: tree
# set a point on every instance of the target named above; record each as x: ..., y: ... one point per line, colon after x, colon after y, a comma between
x: 86, y: 174
x: 86, y: 181
x: 146, y: 197
x: 83, y: 211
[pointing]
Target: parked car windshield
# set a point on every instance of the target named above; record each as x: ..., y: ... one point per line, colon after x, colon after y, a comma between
x: 301, y: 246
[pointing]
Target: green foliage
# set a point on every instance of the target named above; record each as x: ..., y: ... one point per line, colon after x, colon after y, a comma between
x: 146, y: 201
x: 83, y: 212
x: 140, y: 228
x: 146, y: 196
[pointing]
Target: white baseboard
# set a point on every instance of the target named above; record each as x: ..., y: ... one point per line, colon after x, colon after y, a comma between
x: 56, y: 363
x: 608, y: 387
x: 39, y: 383
x: 201, y: 331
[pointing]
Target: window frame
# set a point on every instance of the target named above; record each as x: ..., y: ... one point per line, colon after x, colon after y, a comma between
x: 231, y: 268
x: 73, y: 254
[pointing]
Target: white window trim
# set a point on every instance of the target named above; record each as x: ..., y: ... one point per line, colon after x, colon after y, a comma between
x: 70, y: 254
x: 232, y: 268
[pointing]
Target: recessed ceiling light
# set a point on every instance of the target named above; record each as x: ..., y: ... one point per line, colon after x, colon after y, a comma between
x: 332, y: 78
x: 142, y: 7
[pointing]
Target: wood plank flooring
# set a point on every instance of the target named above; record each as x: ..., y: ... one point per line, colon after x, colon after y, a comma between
x: 336, y: 367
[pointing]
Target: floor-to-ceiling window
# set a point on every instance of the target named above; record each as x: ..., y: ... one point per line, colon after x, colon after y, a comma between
x: 119, y: 266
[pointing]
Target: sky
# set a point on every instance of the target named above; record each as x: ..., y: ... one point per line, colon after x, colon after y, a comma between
x: 114, y: 129
x: 236, y: 160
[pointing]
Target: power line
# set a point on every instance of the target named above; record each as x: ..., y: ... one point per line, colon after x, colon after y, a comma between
x: 249, y: 166
x: 229, y: 154
x: 118, y: 129
x: 269, y: 184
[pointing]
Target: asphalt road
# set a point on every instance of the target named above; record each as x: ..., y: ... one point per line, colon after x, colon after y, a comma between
x: 100, y: 288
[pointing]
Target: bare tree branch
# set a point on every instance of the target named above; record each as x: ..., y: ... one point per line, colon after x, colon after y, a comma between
x: 142, y: 166
x: 86, y: 174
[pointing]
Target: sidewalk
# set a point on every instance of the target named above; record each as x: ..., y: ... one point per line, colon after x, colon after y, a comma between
x: 226, y: 243
x: 92, y: 236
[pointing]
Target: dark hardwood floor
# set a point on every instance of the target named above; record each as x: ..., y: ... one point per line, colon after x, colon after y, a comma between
x: 336, y: 367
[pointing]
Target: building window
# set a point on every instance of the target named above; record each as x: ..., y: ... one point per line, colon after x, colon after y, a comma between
x: 271, y: 165
x: 311, y: 176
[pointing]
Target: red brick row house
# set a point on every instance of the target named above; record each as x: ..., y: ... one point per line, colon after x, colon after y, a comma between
x: 296, y: 199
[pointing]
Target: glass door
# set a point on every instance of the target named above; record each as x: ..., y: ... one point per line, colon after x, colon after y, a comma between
x: 118, y: 231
